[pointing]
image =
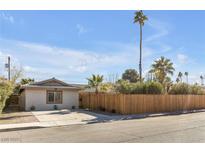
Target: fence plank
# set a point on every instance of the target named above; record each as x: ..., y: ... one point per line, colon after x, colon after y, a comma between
x: 137, y: 104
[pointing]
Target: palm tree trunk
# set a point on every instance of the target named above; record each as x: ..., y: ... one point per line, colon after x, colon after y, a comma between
x: 96, y: 89
x: 140, y: 61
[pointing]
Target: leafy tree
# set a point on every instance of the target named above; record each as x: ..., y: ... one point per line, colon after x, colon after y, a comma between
x: 23, y: 81
x: 95, y: 81
x: 7, y: 87
x: 161, y: 69
x: 131, y: 75
x: 26, y: 81
x: 180, y: 76
x: 186, y: 74
x: 140, y: 18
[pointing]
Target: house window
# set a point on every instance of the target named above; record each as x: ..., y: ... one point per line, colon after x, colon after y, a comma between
x: 54, y: 97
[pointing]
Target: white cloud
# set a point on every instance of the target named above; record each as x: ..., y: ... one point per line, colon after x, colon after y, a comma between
x: 77, y: 58
x: 81, y: 29
x: 81, y: 68
x: 2, y: 63
x: 29, y: 69
x: 182, y: 58
x: 43, y: 61
x: 155, y: 39
x: 160, y: 28
x: 7, y: 17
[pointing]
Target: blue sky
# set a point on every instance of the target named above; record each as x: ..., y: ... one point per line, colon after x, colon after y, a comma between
x: 72, y: 45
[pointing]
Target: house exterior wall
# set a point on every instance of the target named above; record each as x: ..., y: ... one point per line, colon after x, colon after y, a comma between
x: 22, y: 100
x: 37, y: 98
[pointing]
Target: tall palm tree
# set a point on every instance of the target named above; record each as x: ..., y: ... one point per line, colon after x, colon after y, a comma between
x: 202, y: 80
x: 140, y: 18
x: 186, y: 74
x: 161, y: 69
x: 177, y: 80
x: 180, y: 76
x: 95, y: 81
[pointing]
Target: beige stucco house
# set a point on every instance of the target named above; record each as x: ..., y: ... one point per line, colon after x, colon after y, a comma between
x: 48, y: 95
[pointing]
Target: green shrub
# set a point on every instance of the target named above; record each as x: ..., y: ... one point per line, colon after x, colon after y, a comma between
x: 107, y: 87
x: 196, y: 90
x: 183, y: 88
x: 138, y: 88
x: 154, y: 88
x: 180, y: 88
x: 126, y: 87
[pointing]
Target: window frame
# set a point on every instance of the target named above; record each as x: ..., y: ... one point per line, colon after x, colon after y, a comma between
x: 54, y: 92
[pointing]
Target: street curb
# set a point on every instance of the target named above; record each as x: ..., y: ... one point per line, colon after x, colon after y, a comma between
x: 36, y: 126
x: 20, y: 128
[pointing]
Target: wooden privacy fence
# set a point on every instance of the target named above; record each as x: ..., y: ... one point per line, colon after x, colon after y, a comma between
x: 136, y: 104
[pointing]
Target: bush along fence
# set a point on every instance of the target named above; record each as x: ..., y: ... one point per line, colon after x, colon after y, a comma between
x: 140, y: 103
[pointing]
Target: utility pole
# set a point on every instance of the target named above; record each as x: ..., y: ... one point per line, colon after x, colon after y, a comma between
x: 8, y: 66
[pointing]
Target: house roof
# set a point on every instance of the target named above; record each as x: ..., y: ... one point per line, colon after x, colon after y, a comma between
x: 53, y: 83
x: 52, y: 80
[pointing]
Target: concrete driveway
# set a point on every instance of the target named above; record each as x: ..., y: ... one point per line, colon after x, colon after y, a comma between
x: 67, y: 117
x: 57, y: 118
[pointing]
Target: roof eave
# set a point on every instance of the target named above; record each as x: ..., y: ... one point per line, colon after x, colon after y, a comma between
x: 49, y: 87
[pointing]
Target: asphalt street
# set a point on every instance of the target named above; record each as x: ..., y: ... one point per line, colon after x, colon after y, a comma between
x: 173, y: 128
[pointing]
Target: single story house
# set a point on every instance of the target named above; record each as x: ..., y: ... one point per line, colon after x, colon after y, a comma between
x: 48, y: 95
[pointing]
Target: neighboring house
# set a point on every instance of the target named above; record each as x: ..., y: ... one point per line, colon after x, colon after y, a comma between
x: 49, y: 94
